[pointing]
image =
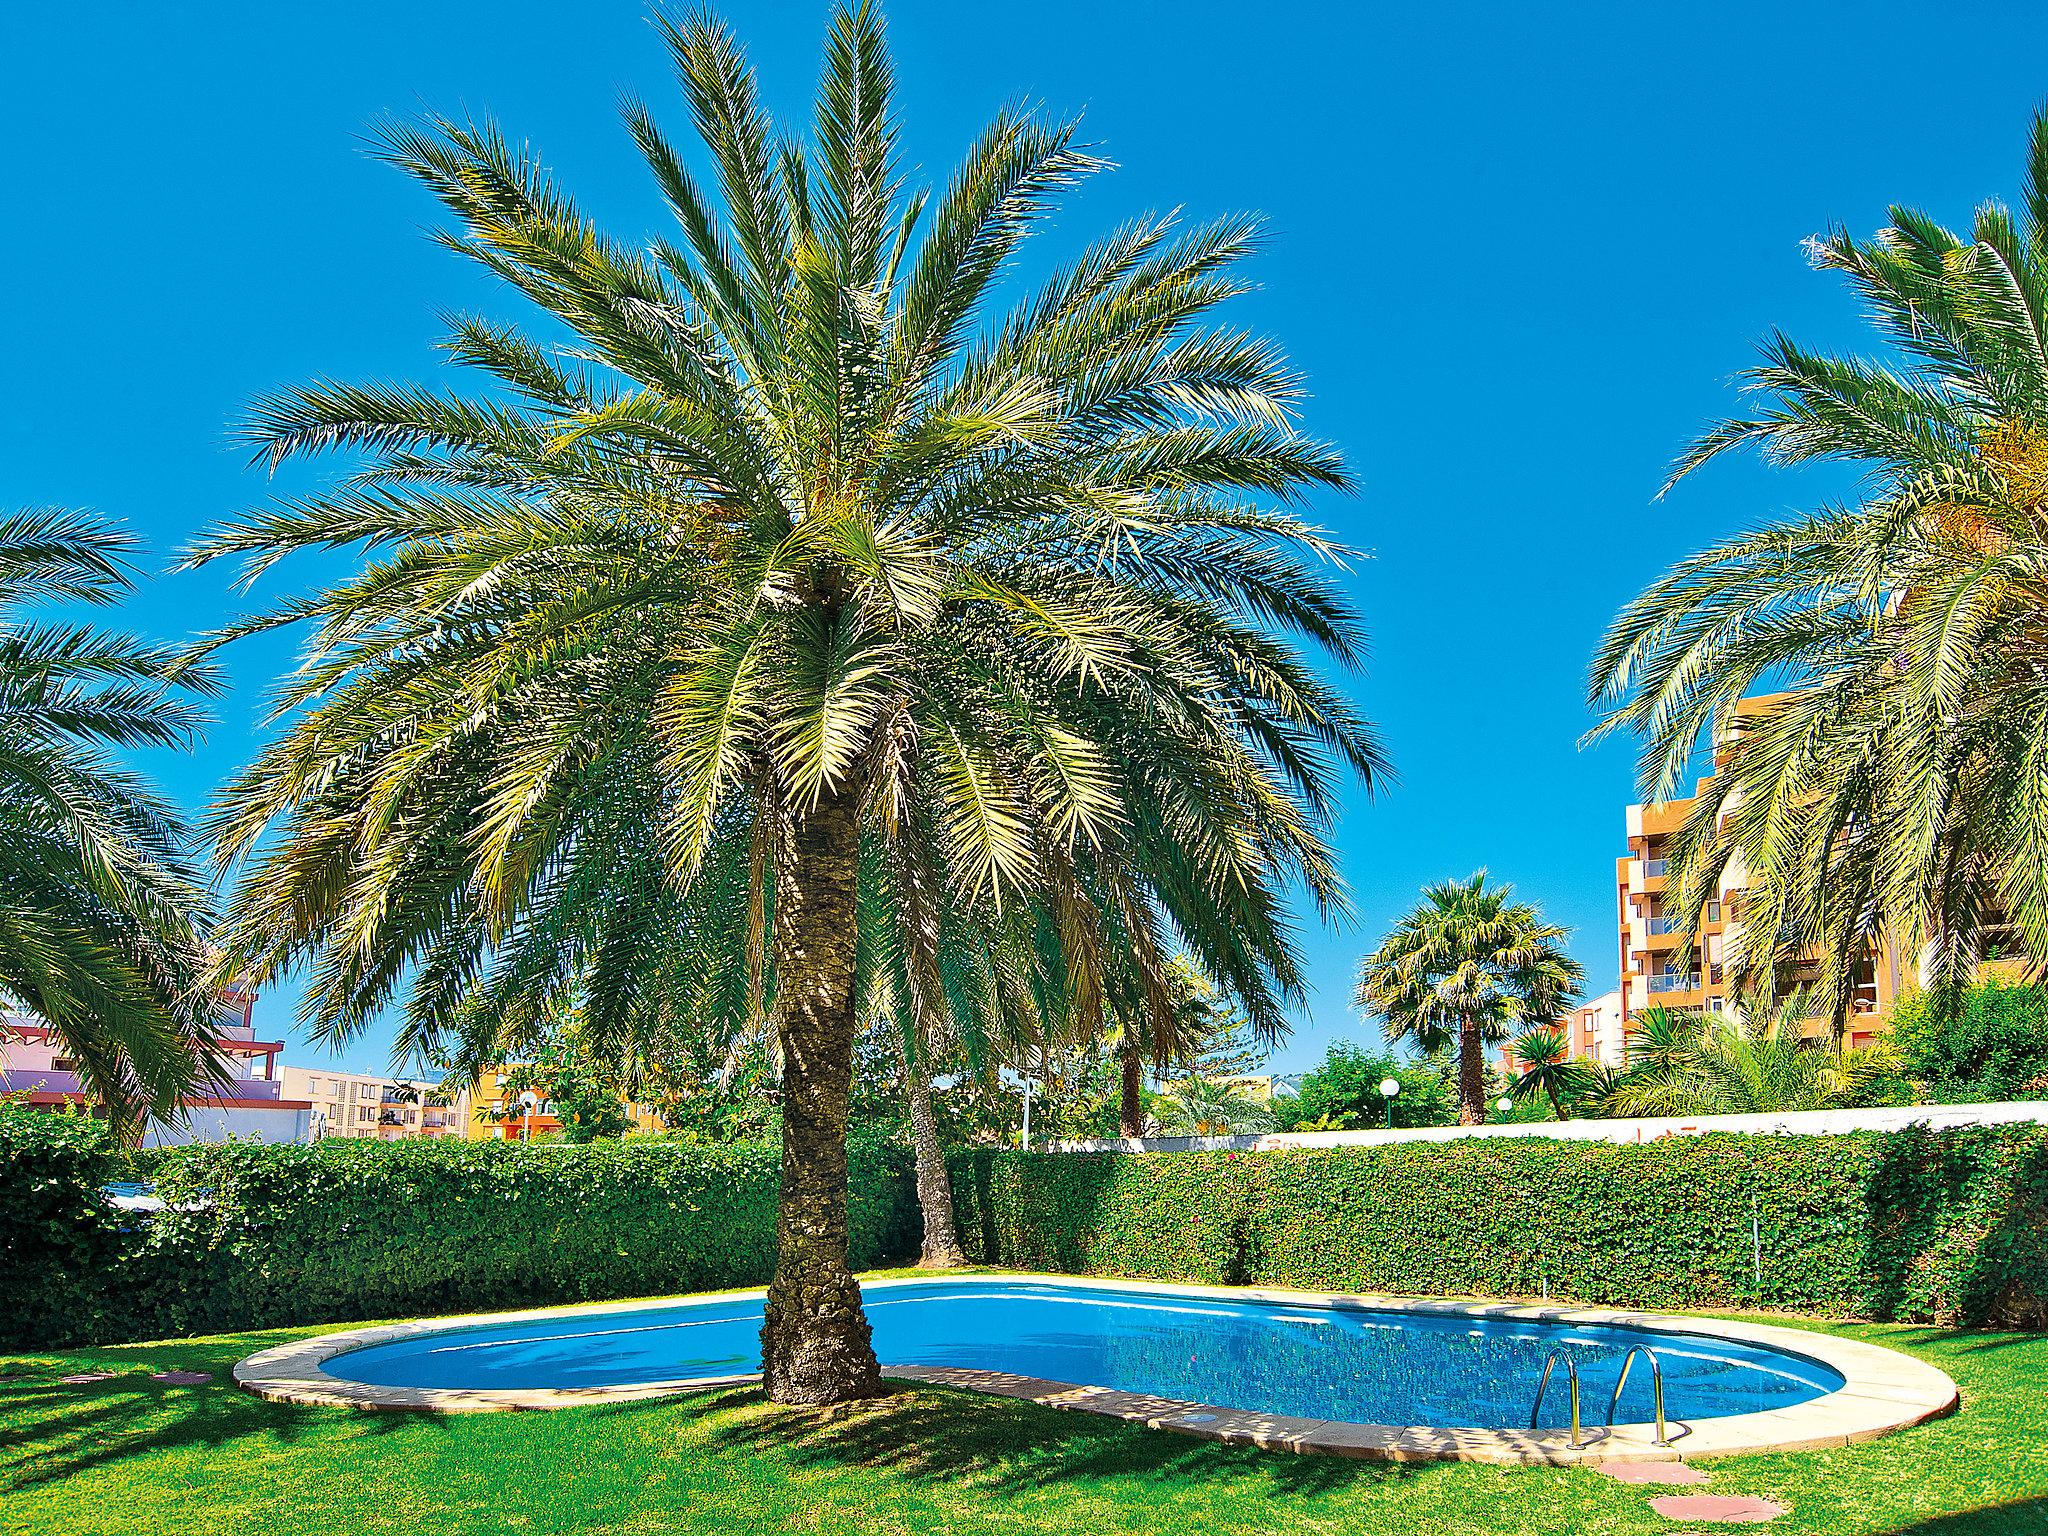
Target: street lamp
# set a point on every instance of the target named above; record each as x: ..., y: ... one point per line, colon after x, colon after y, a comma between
x: 1389, y: 1086
x: 529, y: 1101
x: 1505, y: 1104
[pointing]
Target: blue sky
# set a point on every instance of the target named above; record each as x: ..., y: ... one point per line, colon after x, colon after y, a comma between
x: 1519, y: 252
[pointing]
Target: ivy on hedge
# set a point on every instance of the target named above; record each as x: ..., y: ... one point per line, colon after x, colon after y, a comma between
x: 260, y: 1236
x: 1950, y: 1227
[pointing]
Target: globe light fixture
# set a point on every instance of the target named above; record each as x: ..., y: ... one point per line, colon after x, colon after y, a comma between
x: 1389, y: 1086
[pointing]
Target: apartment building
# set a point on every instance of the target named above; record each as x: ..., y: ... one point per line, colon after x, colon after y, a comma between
x: 364, y: 1106
x: 251, y: 1104
x: 1651, y: 928
x: 493, y: 1110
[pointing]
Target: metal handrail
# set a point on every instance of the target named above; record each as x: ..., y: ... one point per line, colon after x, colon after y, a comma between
x: 1656, y: 1388
x: 1571, y: 1371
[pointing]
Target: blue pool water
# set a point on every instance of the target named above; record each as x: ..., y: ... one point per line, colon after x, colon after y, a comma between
x: 1354, y: 1365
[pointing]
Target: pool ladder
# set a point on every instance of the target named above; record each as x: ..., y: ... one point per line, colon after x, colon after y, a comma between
x: 1571, y: 1371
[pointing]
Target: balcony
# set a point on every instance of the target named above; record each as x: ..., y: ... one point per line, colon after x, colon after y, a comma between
x: 1669, y: 982
x: 1656, y: 869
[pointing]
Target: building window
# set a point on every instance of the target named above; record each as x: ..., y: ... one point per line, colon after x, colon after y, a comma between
x: 1713, y: 911
x: 63, y: 1064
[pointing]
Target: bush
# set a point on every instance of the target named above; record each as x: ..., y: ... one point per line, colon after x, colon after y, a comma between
x: 348, y: 1230
x: 1981, y: 1043
x: 1950, y: 1227
x: 1343, y: 1094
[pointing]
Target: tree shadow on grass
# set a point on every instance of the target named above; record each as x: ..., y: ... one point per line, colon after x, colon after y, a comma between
x: 2022, y: 1517
x: 968, y: 1439
x: 50, y: 1431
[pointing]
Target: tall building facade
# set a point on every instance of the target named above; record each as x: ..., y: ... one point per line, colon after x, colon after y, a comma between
x: 1656, y: 971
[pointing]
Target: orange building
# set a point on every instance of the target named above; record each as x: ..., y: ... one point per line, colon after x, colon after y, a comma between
x: 1651, y: 929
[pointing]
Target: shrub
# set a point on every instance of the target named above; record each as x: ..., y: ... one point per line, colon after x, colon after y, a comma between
x: 1950, y: 1227
x: 258, y: 1236
x: 1343, y: 1094
x: 1986, y: 1042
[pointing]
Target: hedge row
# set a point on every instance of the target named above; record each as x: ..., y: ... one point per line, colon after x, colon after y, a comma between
x: 1950, y: 1227
x: 259, y: 1236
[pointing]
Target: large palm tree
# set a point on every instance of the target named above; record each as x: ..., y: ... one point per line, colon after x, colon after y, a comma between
x: 1469, y: 964
x: 800, y: 572
x: 100, y: 918
x: 1900, y: 788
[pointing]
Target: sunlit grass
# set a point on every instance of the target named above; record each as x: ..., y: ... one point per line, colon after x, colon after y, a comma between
x: 132, y: 1455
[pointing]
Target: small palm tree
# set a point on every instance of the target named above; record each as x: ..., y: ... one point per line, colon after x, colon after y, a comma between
x: 1469, y: 964
x: 99, y: 915
x: 803, y: 581
x: 1546, y: 1068
x: 1900, y: 787
x: 1717, y: 1066
x: 1201, y: 1107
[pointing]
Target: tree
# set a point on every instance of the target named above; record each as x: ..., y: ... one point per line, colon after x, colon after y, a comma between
x: 1343, y: 1094
x: 800, y: 582
x: 1711, y: 1064
x: 1467, y: 964
x: 1194, y: 1027
x: 1200, y: 1107
x: 101, y: 918
x: 1546, y: 1068
x: 1900, y: 786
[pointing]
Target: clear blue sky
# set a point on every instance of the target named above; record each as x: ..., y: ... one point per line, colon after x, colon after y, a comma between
x: 1518, y: 250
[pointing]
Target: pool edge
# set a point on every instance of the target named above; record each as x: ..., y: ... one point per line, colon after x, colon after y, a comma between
x: 1884, y: 1390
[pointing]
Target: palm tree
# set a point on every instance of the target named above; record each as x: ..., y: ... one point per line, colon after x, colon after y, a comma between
x: 1468, y: 964
x: 1720, y: 1067
x: 1546, y: 1068
x: 800, y: 581
x: 1900, y: 786
x: 1205, y: 1107
x: 100, y: 919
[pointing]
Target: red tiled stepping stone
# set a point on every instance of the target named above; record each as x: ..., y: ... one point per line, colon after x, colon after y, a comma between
x: 1717, y: 1508
x: 183, y: 1378
x: 1651, y: 1472
x: 86, y: 1378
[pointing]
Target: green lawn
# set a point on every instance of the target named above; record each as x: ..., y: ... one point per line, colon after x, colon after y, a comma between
x: 133, y: 1455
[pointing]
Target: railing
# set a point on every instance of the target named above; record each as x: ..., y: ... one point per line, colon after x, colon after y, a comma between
x: 1654, y: 869
x: 1571, y: 1371
x: 1668, y: 983
x: 1661, y: 924
x: 1656, y: 1388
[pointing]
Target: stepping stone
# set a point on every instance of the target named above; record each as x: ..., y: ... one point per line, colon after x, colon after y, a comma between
x: 182, y: 1378
x: 1717, y: 1508
x: 86, y: 1378
x: 1651, y: 1472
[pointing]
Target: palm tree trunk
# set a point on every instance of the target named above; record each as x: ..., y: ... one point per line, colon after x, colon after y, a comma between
x: 1471, y: 1073
x: 1556, y: 1104
x: 1131, y: 1103
x: 934, y: 1189
x: 815, y: 1343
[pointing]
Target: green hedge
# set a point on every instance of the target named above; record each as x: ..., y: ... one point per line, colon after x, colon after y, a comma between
x: 1950, y: 1227
x: 359, y: 1229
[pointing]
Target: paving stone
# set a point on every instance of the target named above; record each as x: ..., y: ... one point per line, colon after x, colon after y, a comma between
x: 182, y: 1378
x: 1651, y: 1472
x: 1717, y: 1508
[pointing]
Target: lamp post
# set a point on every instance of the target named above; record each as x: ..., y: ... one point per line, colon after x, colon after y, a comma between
x: 1389, y: 1086
x: 528, y: 1101
x: 1504, y: 1104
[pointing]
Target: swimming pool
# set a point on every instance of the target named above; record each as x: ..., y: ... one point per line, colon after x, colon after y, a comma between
x: 1295, y: 1367
x: 1360, y: 1366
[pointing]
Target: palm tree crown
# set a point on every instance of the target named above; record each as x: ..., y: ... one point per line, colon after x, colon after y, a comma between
x: 1901, y: 786
x: 1469, y: 964
x: 800, y: 585
x: 98, y: 912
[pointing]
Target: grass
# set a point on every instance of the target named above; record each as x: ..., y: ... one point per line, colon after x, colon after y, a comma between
x: 131, y: 1455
